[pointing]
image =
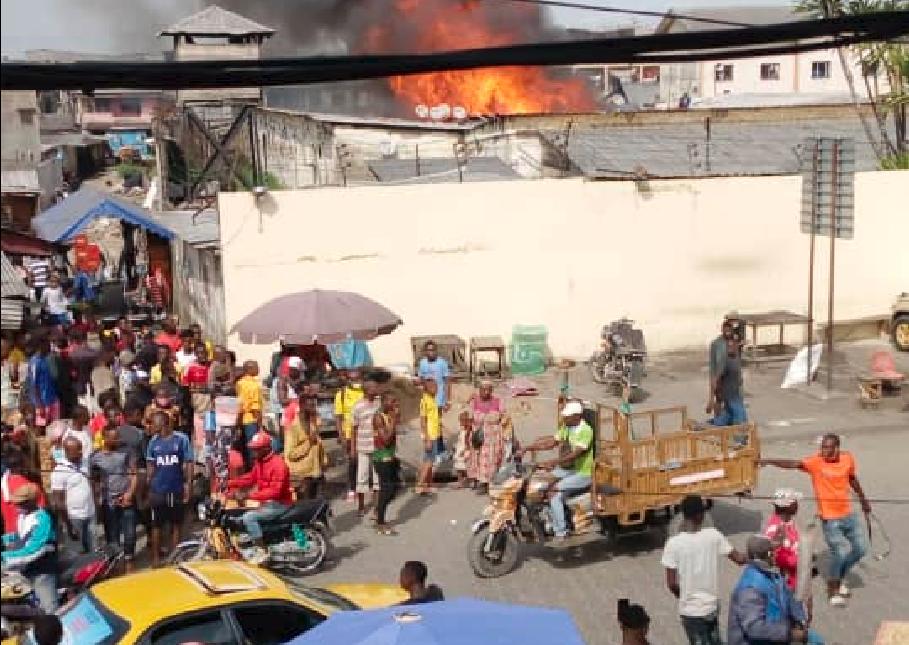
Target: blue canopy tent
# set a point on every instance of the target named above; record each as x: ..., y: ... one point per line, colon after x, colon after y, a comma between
x: 64, y: 220
x: 462, y: 621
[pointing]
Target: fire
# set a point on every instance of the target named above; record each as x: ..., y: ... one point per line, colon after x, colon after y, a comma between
x: 428, y: 26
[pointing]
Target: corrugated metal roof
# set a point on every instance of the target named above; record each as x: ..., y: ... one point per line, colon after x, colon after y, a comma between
x: 215, y: 21
x: 193, y: 227
x: 19, y: 181
x: 75, y: 139
x: 13, y: 285
x: 441, y: 170
x: 681, y: 150
x: 389, y: 122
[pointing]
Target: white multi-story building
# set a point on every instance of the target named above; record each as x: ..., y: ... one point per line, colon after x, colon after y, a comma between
x: 808, y: 77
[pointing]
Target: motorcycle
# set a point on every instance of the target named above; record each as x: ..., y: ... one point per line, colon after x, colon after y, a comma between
x: 82, y: 571
x: 20, y: 604
x: 296, y: 542
x: 519, y: 512
x: 620, y: 361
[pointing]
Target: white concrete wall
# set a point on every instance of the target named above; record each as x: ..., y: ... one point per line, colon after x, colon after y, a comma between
x: 19, y: 121
x: 477, y: 258
x: 795, y: 75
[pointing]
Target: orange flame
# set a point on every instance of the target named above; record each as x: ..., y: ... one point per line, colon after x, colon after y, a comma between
x: 427, y: 26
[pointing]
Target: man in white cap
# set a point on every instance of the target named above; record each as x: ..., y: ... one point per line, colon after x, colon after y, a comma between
x: 574, y: 466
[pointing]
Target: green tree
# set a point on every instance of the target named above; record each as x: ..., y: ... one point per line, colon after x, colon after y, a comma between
x: 885, y: 76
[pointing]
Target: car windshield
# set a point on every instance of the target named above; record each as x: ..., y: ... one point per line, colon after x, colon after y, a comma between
x: 321, y: 596
x: 86, y: 621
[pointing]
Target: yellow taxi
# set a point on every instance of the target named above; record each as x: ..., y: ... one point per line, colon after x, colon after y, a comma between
x: 215, y: 602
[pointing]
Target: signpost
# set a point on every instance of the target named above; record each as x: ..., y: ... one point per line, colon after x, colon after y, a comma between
x: 828, y: 208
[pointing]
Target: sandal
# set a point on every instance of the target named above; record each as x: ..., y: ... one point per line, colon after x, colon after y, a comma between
x: 386, y: 530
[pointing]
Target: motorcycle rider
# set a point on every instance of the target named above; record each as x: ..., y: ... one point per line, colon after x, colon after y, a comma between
x: 31, y: 546
x: 271, y: 478
x: 573, y: 467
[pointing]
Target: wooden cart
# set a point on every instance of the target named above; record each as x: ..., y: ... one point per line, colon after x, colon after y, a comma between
x: 646, y: 462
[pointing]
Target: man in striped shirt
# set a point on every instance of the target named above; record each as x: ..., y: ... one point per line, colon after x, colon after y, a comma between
x: 38, y: 273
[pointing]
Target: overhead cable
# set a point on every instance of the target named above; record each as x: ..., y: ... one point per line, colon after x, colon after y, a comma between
x: 783, y: 38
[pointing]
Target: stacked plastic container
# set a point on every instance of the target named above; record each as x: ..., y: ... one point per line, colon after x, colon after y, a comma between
x: 528, y: 349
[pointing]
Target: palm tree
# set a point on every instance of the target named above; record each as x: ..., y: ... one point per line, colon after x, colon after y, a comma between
x: 879, y: 61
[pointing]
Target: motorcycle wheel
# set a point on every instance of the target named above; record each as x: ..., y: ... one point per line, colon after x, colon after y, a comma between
x: 315, y: 555
x: 596, y: 370
x: 484, y: 566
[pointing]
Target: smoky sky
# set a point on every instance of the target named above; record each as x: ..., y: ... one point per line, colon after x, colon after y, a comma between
x: 102, y: 26
x: 303, y: 26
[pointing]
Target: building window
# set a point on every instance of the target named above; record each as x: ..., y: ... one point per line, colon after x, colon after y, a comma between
x: 102, y: 105
x: 722, y: 72
x: 820, y: 69
x: 130, y: 107
x: 770, y: 71
x: 27, y: 116
x: 650, y: 74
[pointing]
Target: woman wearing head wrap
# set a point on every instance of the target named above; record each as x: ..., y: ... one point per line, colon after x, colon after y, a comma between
x: 491, y: 425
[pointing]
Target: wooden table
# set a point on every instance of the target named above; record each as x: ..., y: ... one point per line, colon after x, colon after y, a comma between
x: 755, y: 353
x: 487, y: 344
x: 450, y: 347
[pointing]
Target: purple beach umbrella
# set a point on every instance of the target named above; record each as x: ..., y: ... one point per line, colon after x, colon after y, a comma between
x: 316, y: 316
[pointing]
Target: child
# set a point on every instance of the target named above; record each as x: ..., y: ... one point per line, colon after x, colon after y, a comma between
x: 462, y: 447
x: 249, y: 391
x: 430, y: 431
x: 783, y: 532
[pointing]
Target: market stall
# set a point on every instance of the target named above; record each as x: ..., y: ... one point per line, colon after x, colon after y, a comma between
x: 119, y: 251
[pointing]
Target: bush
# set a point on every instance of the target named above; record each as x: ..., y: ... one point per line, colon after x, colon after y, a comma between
x: 128, y: 169
x: 899, y: 161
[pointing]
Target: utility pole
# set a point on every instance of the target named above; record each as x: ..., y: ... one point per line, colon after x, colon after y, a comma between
x: 828, y: 203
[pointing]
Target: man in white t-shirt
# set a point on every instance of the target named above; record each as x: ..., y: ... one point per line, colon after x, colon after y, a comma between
x: 54, y: 302
x: 691, y: 561
x: 72, y: 494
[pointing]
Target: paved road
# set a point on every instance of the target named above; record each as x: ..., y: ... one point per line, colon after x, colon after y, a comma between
x: 589, y: 582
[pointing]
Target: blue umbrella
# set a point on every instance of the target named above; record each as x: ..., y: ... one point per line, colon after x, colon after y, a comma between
x: 463, y: 621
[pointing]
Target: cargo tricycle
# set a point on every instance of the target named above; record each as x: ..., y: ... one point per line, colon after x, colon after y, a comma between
x: 644, y: 464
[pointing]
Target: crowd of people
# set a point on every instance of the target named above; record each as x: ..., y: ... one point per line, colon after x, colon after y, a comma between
x: 122, y: 430
x: 119, y: 432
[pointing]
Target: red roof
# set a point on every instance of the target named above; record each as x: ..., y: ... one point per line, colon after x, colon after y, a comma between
x: 21, y: 244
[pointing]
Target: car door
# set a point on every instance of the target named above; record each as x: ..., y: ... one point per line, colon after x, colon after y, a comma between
x: 211, y: 626
x: 272, y: 622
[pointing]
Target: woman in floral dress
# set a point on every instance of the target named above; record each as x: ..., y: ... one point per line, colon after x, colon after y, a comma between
x: 490, y: 421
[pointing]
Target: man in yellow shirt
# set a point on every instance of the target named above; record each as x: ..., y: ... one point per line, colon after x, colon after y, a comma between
x: 430, y: 432
x: 345, y: 400
x: 249, y: 392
